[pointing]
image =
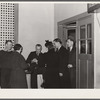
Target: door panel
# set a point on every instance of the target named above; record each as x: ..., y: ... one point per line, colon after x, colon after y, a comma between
x: 83, y: 73
x: 85, y: 52
x: 90, y: 75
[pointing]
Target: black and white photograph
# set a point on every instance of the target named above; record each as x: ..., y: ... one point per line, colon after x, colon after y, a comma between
x: 49, y: 45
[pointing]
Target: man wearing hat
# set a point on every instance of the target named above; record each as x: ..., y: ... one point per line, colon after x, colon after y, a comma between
x: 72, y: 60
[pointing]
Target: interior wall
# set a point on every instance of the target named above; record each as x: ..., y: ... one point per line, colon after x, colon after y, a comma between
x: 67, y: 10
x: 38, y: 21
x: 36, y: 24
x: 97, y: 48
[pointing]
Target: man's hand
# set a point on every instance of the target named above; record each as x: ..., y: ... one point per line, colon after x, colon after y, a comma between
x: 70, y: 65
x: 34, y: 61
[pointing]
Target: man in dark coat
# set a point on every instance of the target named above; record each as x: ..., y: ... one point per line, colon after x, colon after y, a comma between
x: 12, y: 66
x: 5, y: 67
x: 18, y: 66
x: 5, y: 64
x: 35, y: 61
x: 72, y: 60
x: 63, y: 61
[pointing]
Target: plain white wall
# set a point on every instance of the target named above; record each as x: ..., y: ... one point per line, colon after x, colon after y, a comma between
x: 97, y: 48
x: 67, y: 10
x: 36, y: 24
x: 38, y: 21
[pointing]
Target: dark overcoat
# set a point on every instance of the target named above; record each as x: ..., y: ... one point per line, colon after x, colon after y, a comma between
x: 52, y: 69
x: 35, y: 68
x: 12, y: 66
x: 72, y: 60
x: 18, y: 75
x: 63, y: 62
x: 5, y: 68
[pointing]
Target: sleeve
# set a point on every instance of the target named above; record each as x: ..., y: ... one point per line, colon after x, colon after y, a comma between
x: 1, y: 58
x: 63, y: 61
x: 24, y: 65
x: 43, y: 60
x: 29, y: 58
x: 72, y: 59
x: 64, y: 58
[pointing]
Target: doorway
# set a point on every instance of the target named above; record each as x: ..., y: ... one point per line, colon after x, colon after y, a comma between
x: 72, y: 33
x: 81, y: 28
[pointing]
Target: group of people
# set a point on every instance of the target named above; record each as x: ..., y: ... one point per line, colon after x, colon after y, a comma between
x: 57, y: 66
x: 12, y: 66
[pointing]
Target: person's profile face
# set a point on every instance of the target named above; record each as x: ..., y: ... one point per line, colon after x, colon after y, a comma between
x: 69, y: 43
x: 9, y: 45
x: 55, y: 44
x: 21, y: 50
x: 38, y: 49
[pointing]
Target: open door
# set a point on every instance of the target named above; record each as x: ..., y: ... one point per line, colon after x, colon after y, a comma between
x: 85, y: 52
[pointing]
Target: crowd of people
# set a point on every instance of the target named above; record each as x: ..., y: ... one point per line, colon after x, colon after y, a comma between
x: 57, y: 66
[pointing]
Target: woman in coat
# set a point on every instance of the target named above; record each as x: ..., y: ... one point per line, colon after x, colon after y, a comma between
x: 51, y: 75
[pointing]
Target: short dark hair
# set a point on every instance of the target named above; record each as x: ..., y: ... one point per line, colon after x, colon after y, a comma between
x: 58, y: 40
x: 71, y: 38
x: 17, y: 47
x: 38, y: 45
x: 8, y: 41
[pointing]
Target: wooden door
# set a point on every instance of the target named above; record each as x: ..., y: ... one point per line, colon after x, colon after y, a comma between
x: 85, y: 52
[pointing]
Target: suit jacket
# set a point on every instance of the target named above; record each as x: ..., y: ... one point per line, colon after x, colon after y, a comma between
x: 63, y: 59
x: 12, y: 70
x: 5, y: 67
x: 51, y: 75
x: 51, y: 59
x: 72, y: 57
x: 33, y: 66
x: 18, y: 75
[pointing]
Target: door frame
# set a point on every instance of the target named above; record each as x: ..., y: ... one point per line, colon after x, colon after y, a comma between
x: 75, y: 34
x: 60, y: 25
